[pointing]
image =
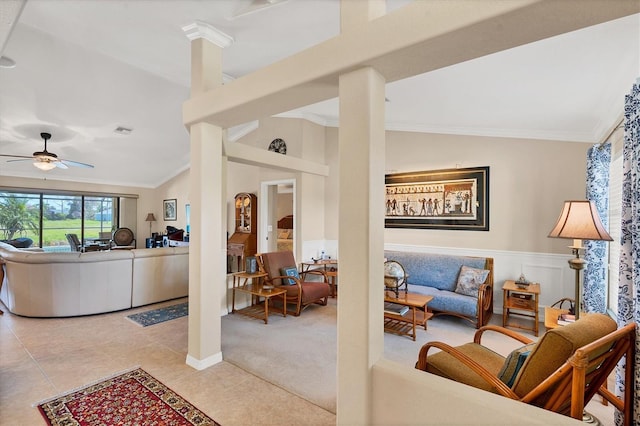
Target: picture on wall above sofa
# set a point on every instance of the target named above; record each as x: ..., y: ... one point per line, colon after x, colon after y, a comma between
x: 456, y: 199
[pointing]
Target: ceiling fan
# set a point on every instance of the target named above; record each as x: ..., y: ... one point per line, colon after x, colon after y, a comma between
x: 45, y: 160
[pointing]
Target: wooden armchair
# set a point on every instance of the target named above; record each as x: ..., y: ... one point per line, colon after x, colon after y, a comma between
x: 561, y: 372
x: 302, y: 293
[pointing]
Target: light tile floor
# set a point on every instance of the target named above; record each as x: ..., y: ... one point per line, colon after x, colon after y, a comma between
x: 40, y: 358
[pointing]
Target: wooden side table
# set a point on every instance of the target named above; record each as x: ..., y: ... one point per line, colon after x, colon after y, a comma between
x: 551, y: 316
x: 418, y: 313
x: 329, y: 268
x: 525, y: 303
x: 256, y: 290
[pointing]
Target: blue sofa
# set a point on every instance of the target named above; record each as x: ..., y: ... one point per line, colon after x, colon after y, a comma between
x: 437, y: 275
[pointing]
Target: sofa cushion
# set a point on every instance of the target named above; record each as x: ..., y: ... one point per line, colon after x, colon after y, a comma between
x: 433, y: 270
x: 290, y: 271
x: 445, y: 365
x: 514, y: 363
x: 470, y: 280
x: 448, y: 300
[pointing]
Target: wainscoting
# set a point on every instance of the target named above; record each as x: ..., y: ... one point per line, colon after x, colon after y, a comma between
x: 550, y: 270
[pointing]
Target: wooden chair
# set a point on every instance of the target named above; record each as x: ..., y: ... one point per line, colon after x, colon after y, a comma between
x: 74, y: 242
x: 561, y: 373
x: 302, y: 293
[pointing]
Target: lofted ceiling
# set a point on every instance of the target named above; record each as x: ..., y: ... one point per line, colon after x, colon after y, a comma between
x: 85, y: 68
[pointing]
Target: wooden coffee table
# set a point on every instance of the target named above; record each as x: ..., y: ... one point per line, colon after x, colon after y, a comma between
x: 405, y: 325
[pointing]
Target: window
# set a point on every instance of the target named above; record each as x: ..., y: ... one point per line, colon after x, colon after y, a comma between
x: 46, y: 218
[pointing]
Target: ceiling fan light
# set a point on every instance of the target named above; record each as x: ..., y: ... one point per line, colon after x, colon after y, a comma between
x: 44, y: 165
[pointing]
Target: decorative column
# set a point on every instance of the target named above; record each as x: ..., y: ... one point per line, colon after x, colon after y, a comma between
x: 361, y: 149
x: 207, y: 191
x: 361, y: 241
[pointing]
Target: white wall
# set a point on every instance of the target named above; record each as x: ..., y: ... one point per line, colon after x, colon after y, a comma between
x: 529, y: 181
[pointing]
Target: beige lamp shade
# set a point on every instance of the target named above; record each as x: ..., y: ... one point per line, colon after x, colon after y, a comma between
x: 579, y: 220
x: 150, y: 218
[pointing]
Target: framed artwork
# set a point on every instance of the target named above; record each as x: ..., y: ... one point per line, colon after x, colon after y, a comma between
x: 169, y: 209
x: 451, y: 199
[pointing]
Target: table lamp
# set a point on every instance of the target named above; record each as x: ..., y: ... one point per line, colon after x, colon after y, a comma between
x: 150, y: 218
x: 579, y: 220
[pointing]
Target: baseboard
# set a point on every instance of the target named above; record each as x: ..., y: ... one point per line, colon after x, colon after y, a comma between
x: 201, y: 364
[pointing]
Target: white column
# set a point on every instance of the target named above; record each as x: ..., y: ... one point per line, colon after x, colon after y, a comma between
x: 361, y: 241
x: 207, y: 250
x: 207, y: 189
x: 357, y: 12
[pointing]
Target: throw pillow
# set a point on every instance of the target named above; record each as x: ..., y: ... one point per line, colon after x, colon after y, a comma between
x: 470, y: 280
x: 513, y: 363
x: 289, y: 271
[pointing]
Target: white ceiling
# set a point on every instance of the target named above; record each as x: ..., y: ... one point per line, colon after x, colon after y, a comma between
x: 87, y: 67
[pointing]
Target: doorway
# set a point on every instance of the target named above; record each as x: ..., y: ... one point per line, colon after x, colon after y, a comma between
x: 277, y: 230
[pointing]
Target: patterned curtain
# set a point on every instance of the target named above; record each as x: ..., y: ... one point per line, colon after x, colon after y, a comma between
x: 594, y: 292
x: 629, y: 285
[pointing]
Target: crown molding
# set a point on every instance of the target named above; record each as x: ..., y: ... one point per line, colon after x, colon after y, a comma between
x: 570, y: 136
x: 208, y: 32
x: 314, y: 118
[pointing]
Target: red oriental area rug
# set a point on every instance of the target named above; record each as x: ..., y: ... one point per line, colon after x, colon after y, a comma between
x: 131, y: 398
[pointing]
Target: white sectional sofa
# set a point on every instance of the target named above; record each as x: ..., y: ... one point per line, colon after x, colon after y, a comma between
x: 159, y: 274
x: 39, y: 284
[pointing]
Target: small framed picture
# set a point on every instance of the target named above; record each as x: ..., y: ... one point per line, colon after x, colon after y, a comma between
x: 169, y: 209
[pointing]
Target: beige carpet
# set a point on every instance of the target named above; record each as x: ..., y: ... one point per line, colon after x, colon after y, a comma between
x: 299, y: 353
x: 295, y: 353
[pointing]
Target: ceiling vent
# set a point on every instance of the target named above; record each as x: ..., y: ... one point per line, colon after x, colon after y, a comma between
x: 123, y: 130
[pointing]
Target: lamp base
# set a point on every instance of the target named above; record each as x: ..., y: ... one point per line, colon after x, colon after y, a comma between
x: 590, y: 419
x: 577, y: 264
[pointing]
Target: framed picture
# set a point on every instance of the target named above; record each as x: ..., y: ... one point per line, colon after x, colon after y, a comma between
x: 455, y: 199
x: 169, y: 209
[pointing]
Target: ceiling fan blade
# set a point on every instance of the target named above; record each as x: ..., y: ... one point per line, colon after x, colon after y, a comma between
x: 22, y: 157
x: 46, y: 160
x: 74, y: 164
